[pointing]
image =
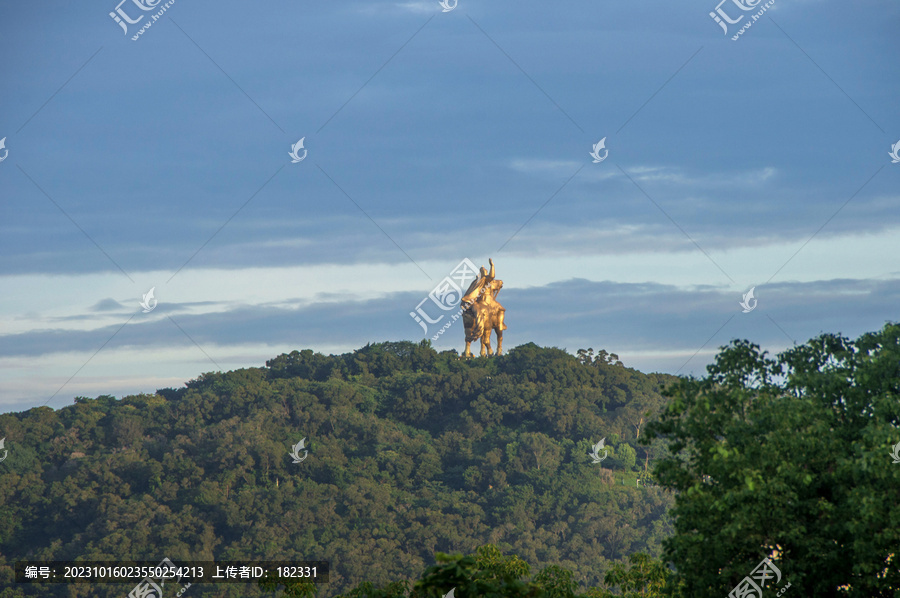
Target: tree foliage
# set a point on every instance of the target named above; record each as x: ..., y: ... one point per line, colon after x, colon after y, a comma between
x: 488, y: 573
x: 788, y: 458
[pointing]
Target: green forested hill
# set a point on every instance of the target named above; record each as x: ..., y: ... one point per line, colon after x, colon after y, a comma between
x: 410, y: 452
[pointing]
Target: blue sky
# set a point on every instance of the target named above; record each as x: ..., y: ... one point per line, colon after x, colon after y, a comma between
x: 432, y: 137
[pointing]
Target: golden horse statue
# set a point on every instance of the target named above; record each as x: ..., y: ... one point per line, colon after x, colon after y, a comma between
x: 482, y: 313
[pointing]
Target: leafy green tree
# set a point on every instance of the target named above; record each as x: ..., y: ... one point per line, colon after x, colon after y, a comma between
x: 556, y: 582
x: 601, y: 359
x: 626, y: 456
x: 295, y: 589
x: 643, y: 578
x: 788, y: 458
x: 488, y: 573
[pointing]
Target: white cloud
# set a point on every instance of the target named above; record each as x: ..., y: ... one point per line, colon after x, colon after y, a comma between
x: 417, y: 7
x: 667, y: 174
x: 563, y: 169
x: 414, y: 6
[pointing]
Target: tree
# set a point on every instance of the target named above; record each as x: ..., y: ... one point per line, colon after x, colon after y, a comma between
x: 643, y: 578
x: 487, y: 573
x: 626, y: 456
x: 292, y: 589
x: 556, y: 582
x: 587, y: 357
x: 788, y: 459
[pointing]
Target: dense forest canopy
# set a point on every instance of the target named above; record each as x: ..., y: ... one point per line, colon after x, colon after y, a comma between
x: 410, y: 452
x: 423, y: 474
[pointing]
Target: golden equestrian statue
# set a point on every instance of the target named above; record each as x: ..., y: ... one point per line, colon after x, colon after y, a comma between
x: 482, y: 313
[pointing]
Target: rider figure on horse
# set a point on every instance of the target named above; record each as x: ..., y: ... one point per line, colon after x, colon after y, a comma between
x: 482, y: 313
